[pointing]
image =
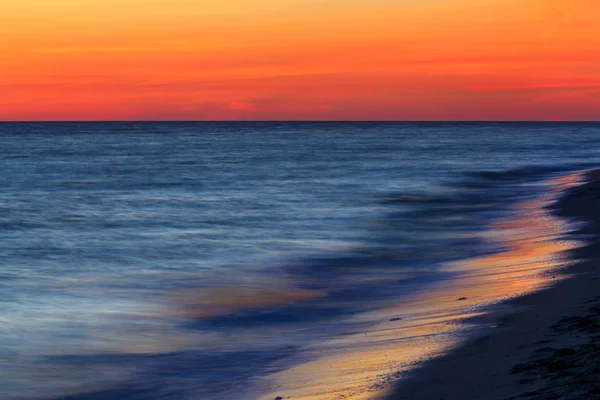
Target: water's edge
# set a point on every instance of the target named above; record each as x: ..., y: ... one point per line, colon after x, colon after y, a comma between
x: 499, y: 318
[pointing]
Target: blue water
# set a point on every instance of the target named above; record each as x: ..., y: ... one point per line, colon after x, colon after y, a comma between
x: 189, y: 260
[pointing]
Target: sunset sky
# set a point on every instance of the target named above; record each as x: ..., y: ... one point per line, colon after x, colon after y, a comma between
x: 300, y: 60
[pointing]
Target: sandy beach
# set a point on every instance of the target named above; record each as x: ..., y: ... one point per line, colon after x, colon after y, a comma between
x: 544, y: 345
x: 299, y: 200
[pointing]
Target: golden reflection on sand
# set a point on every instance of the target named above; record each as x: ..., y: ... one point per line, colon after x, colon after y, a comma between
x: 362, y: 365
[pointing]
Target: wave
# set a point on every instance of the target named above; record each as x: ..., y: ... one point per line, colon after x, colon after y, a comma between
x: 262, y: 324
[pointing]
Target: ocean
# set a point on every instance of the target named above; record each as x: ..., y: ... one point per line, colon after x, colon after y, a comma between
x: 252, y: 260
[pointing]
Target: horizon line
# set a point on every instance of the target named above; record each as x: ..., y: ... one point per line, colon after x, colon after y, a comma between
x: 296, y: 121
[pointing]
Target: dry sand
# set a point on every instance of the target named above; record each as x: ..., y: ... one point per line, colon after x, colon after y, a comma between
x: 546, y: 346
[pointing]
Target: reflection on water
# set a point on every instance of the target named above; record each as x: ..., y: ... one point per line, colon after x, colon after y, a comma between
x: 363, y: 364
x: 223, y: 301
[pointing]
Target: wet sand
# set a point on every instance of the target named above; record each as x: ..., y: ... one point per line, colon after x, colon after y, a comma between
x: 546, y: 345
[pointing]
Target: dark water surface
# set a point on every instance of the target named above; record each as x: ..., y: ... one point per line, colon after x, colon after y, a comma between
x: 202, y: 260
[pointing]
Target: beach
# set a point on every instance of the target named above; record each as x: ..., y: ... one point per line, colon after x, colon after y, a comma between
x: 299, y: 200
x: 544, y: 345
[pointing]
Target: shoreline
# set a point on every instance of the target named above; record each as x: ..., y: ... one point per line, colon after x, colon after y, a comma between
x: 544, y: 343
x: 431, y: 324
x: 529, y: 245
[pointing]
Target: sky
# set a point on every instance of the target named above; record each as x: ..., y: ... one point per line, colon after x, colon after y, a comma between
x: 299, y: 60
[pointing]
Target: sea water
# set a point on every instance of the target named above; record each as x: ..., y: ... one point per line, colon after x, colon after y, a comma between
x: 226, y: 260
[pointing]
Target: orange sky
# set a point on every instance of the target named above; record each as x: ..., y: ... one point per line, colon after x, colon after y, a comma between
x: 300, y: 59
